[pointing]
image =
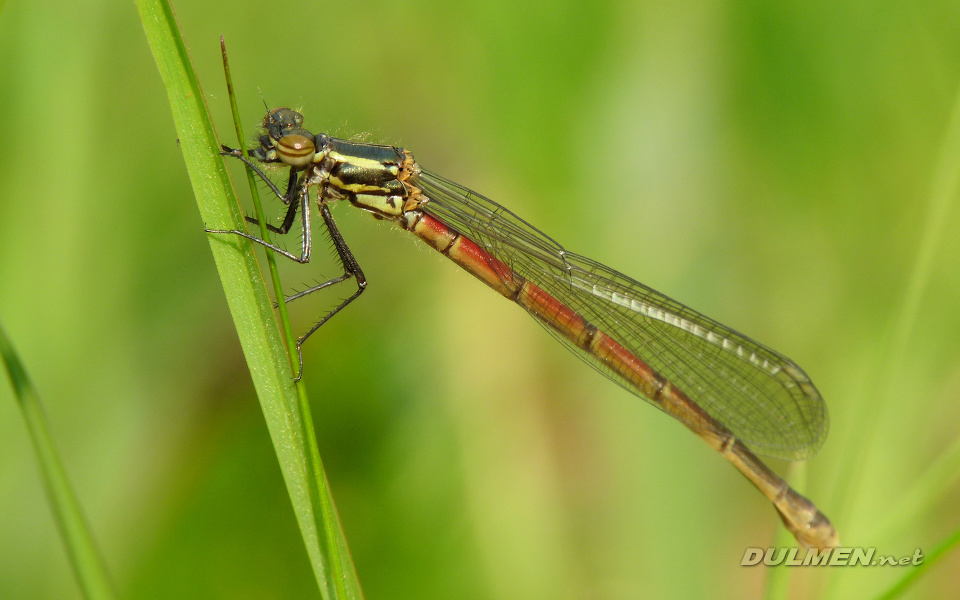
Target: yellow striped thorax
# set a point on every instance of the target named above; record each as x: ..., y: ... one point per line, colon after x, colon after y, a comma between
x: 371, y: 176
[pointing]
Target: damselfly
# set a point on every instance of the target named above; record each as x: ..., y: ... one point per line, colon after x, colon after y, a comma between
x: 728, y: 389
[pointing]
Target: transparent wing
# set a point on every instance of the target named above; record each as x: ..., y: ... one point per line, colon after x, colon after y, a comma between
x: 763, y: 397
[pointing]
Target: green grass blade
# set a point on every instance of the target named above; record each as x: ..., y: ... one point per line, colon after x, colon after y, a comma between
x: 317, y: 481
x: 930, y: 559
x: 944, y: 191
x: 918, y: 501
x: 290, y: 428
x: 258, y: 211
x: 77, y: 537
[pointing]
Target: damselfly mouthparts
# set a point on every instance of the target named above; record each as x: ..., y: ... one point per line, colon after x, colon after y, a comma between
x: 728, y: 389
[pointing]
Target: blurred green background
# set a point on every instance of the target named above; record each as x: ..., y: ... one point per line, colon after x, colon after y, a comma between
x: 771, y: 164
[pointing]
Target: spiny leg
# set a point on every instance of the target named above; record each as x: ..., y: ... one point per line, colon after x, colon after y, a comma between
x: 237, y: 153
x: 349, y: 263
x: 294, y: 188
x: 350, y: 269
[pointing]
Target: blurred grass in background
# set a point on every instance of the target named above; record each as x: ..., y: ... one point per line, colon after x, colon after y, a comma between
x: 769, y: 164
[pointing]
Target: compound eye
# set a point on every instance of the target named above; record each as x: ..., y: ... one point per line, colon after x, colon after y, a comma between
x: 296, y: 150
x: 280, y: 119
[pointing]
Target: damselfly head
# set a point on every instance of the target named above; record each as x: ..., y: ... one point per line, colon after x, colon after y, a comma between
x: 284, y: 140
x: 281, y: 120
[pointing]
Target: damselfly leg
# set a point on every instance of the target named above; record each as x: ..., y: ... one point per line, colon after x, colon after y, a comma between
x: 295, y: 189
x: 298, y: 196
